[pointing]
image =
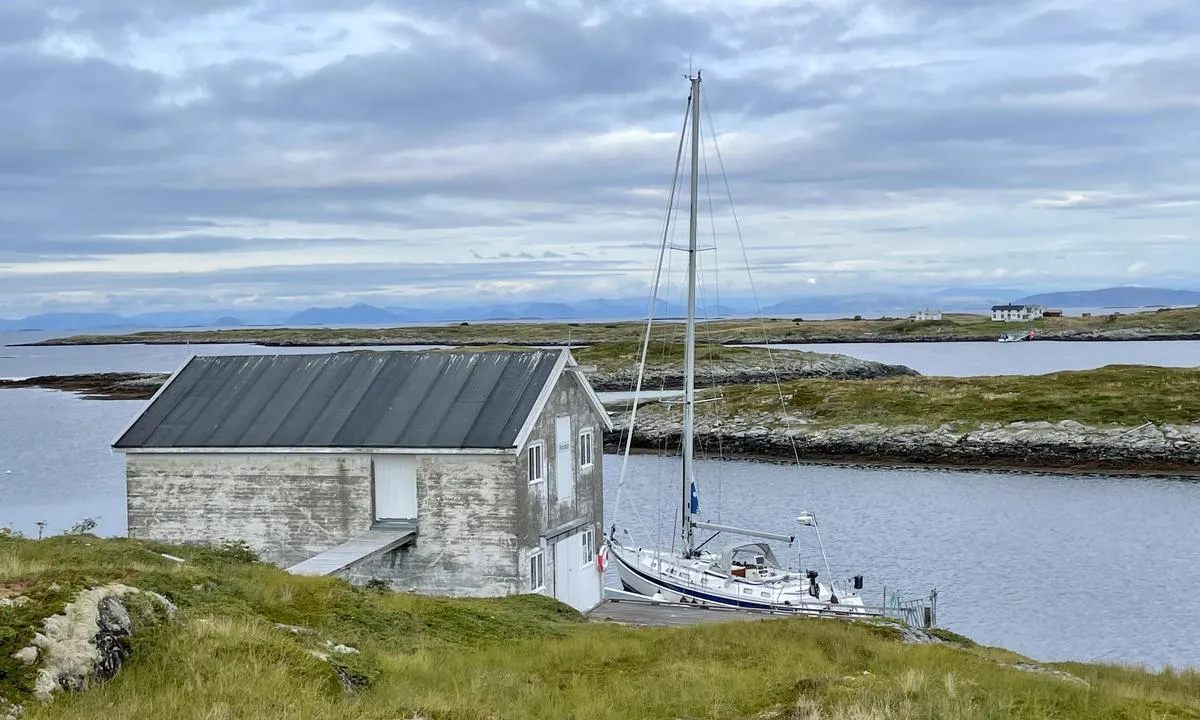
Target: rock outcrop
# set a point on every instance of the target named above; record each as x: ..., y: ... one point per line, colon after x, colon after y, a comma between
x: 788, y: 365
x: 1064, y: 445
x: 97, y: 386
x: 88, y: 641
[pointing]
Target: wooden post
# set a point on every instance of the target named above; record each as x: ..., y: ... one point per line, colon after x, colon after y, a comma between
x: 928, y: 616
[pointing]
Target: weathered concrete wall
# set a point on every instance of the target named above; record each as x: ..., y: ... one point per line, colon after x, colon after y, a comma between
x: 466, y: 544
x: 286, y: 507
x: 478, y: 517
x: 538, y: 508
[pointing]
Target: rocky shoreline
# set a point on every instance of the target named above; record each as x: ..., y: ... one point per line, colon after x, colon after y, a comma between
x: 97, y: 386
x: 1062, y: 446
x: 789, y: 365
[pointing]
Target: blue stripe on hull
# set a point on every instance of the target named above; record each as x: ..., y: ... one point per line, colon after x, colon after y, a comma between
x: 716, y: 599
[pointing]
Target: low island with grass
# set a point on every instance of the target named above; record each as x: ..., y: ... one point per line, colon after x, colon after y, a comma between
x: 1118, y: 418
x: 789, y: 404
x: 118, y: 628
x: 1161, y: 324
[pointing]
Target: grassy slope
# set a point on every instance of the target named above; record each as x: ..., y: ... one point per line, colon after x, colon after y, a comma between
x: 524, y: 657
x: 776, y: 330
x: 1113, y: 395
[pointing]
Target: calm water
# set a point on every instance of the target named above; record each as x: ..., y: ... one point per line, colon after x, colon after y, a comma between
x: 960, y: 359
x: 19, y: 361
x: 1020, y: 358
x: 1056, y: 567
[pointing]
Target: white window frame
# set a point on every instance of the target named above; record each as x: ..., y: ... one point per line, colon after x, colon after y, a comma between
x: 536, y: 469
x: 588, y: 538
x: 587, y: 448
x: 537, y: 571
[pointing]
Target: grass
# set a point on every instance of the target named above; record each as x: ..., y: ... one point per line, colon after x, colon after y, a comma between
x: 981, y: 327
x: 521, y: 657
x: 1127, y: 395
x: 617, y: 356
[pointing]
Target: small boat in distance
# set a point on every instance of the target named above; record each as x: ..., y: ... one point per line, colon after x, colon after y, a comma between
x: 1022, y: 336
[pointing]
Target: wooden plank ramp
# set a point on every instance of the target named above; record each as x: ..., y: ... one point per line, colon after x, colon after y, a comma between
x: 356, y: 549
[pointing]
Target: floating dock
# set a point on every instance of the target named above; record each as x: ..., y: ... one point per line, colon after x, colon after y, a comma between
x: 665, y: 614
x: 626, y: 608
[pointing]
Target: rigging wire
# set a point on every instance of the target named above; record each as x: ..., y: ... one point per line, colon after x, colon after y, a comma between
x: 712, y: 220
x: 650, y: 314
x: 754, y: 292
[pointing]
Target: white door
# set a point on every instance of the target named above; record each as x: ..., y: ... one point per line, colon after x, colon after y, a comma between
x: 395, y: 487
x: 576, y: 579
x: 564, y: 462
x: 565, y: 561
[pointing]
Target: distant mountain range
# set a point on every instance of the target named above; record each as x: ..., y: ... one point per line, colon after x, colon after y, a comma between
x: 865, y: 304
x: 1118, y: 297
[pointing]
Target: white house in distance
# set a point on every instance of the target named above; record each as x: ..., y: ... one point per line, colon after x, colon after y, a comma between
x: 1017, y: 312
x: 926, y: 314
x: 449, y: 473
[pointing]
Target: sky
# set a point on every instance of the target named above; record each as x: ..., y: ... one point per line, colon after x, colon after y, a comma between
x: 168, y: 154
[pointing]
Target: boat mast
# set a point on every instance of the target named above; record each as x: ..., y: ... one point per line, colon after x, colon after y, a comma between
x: 689, y: 398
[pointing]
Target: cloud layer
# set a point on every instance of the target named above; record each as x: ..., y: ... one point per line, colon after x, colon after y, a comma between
x: 164, y: 154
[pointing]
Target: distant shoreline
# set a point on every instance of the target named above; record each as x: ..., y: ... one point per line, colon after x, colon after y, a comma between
x: 1081, y: 336
x: 1160, y: 325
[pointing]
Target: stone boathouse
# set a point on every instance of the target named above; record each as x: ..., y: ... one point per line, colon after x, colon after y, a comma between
x: 451, y: 473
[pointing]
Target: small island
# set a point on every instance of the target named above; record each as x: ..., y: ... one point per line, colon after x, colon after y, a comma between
x: 1115, y: 419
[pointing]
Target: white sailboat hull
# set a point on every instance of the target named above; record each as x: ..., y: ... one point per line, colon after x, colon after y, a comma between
x: 666, y: 576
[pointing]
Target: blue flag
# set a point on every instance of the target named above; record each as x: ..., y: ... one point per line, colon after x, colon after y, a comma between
x: 695, y: 503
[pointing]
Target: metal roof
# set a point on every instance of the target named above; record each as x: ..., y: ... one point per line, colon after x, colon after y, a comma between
x: 369, y: 399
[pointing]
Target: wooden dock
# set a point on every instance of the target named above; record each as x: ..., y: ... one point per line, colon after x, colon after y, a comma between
x: 665, y: 614
x: 355, y: 550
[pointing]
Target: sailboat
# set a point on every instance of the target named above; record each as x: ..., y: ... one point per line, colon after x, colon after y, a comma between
x: 742, y: 574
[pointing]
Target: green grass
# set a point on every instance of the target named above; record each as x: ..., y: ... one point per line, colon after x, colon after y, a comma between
x: 1185, y: 320
x: 522, y: 657
x: 617, y: 356
x: 1113, y: 395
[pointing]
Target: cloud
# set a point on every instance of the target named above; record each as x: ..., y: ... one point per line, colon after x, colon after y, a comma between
x: 516, y: 144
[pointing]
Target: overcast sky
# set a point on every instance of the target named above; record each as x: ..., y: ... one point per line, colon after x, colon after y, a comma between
x: 157, y: 154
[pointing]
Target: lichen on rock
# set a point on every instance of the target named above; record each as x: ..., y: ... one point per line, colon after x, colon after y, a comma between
x: 89, y: 640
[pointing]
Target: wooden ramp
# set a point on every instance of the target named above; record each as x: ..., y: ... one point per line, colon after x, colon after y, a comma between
x: 355, y: 550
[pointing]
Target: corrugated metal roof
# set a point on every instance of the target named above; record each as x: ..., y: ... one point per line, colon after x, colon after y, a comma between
x: 391, y: 399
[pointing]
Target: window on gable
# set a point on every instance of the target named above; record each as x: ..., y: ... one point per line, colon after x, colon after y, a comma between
x: 586, y: 447
x: 589, y: 554
x: 537, y: 570
x: 537, y: 463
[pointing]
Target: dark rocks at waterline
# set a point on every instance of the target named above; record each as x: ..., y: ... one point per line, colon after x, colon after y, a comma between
x: 786, y: 367
x: 142, y: 386
x: 1065, y: 445
x: 97, y: 386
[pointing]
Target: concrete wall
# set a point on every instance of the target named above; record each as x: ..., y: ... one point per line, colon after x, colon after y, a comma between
x: 287, y: 507
x: 465, y: 544
x: 539, y: 511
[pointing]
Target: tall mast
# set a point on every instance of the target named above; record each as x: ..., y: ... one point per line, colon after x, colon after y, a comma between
x: 689, y: 398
